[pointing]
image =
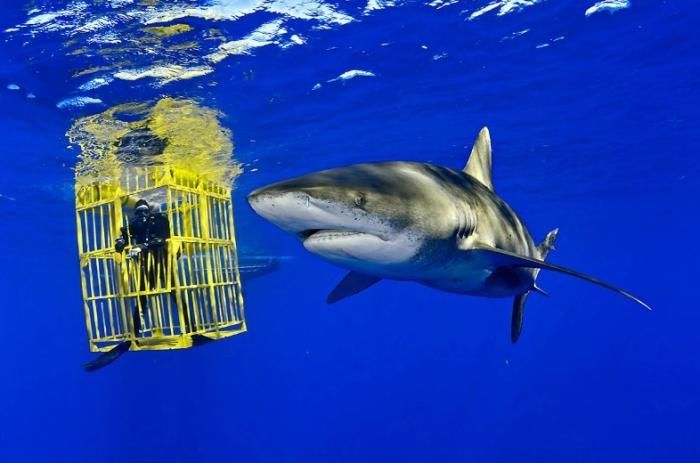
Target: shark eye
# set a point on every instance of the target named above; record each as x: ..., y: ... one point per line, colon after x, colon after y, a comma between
x: 360, y: 200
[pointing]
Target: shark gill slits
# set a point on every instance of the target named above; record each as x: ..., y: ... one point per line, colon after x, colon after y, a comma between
x: 460, y: 226
x: 465, y: 224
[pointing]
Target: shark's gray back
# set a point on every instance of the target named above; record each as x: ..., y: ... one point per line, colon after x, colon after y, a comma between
x: 489, y: 219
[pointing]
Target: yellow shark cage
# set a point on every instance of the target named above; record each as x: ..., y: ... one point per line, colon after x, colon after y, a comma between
x: 192, y: 291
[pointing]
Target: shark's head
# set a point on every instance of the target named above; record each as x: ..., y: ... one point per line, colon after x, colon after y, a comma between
x: 367, y: 217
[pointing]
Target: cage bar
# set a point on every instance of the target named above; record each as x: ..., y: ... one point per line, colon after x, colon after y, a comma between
x: 194, y: 290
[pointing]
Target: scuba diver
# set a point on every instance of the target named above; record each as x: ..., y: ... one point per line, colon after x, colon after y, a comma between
x: 147, y: 233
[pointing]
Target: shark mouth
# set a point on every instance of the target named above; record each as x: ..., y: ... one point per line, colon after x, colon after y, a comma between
x: 317, y: 234
x: 358, y: 250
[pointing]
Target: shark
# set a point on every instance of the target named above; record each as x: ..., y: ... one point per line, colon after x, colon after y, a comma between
x: 421, y: 222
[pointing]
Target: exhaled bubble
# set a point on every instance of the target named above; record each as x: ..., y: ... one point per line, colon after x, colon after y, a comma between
x: 172, y: 132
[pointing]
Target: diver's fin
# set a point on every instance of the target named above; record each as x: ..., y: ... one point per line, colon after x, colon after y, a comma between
x: 105, y: 358
x: 516, y: 322
x: 501, y: 258
x: 353, y: 283
x: 479, y: 162
x: 200, y: 340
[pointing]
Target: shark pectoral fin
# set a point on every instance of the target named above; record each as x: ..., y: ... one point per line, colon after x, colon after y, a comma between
x: 516, y: 323
x: 353, y: 283
x: 108, y: 357
x: 501, y: 258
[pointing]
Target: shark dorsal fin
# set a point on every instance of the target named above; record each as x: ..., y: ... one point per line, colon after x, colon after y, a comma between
x: 479, y: 162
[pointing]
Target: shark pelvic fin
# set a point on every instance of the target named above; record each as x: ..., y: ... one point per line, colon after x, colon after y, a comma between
x: 353, y: 283
x: 539, y: 290
x: 479, y: 162
x: 501, y: 258
x: 516, y: 322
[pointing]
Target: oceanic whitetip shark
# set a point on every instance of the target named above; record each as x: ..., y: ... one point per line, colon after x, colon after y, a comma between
x: 420, y: 222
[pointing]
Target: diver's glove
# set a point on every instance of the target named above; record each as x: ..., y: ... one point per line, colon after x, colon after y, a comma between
x: 134, y: 252
x: 120, y: 244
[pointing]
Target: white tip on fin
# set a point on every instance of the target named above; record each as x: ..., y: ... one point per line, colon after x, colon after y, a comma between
x: 479, y: 163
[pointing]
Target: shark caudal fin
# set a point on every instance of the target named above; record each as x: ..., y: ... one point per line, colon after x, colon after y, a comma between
x: 516, y: 324
x: 547, y: 243
x: 516, y: 321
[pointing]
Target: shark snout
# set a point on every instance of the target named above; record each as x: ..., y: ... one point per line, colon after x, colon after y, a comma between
x: 294, y: 211
x: 286, y: 209
x: 260, y: 201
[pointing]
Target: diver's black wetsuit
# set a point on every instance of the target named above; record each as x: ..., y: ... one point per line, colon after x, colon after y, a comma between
x: 149, y: 234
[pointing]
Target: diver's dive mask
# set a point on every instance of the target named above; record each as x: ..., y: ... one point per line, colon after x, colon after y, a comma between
x: 142, y: 212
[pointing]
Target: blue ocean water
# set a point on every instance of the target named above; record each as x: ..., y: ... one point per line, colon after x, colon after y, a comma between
x: 593, y: 121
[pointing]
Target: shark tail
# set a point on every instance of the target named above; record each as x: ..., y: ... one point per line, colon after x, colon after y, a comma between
x: 516, y: 325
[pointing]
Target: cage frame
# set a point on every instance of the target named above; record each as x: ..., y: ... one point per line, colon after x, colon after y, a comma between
x: 106, y: 198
